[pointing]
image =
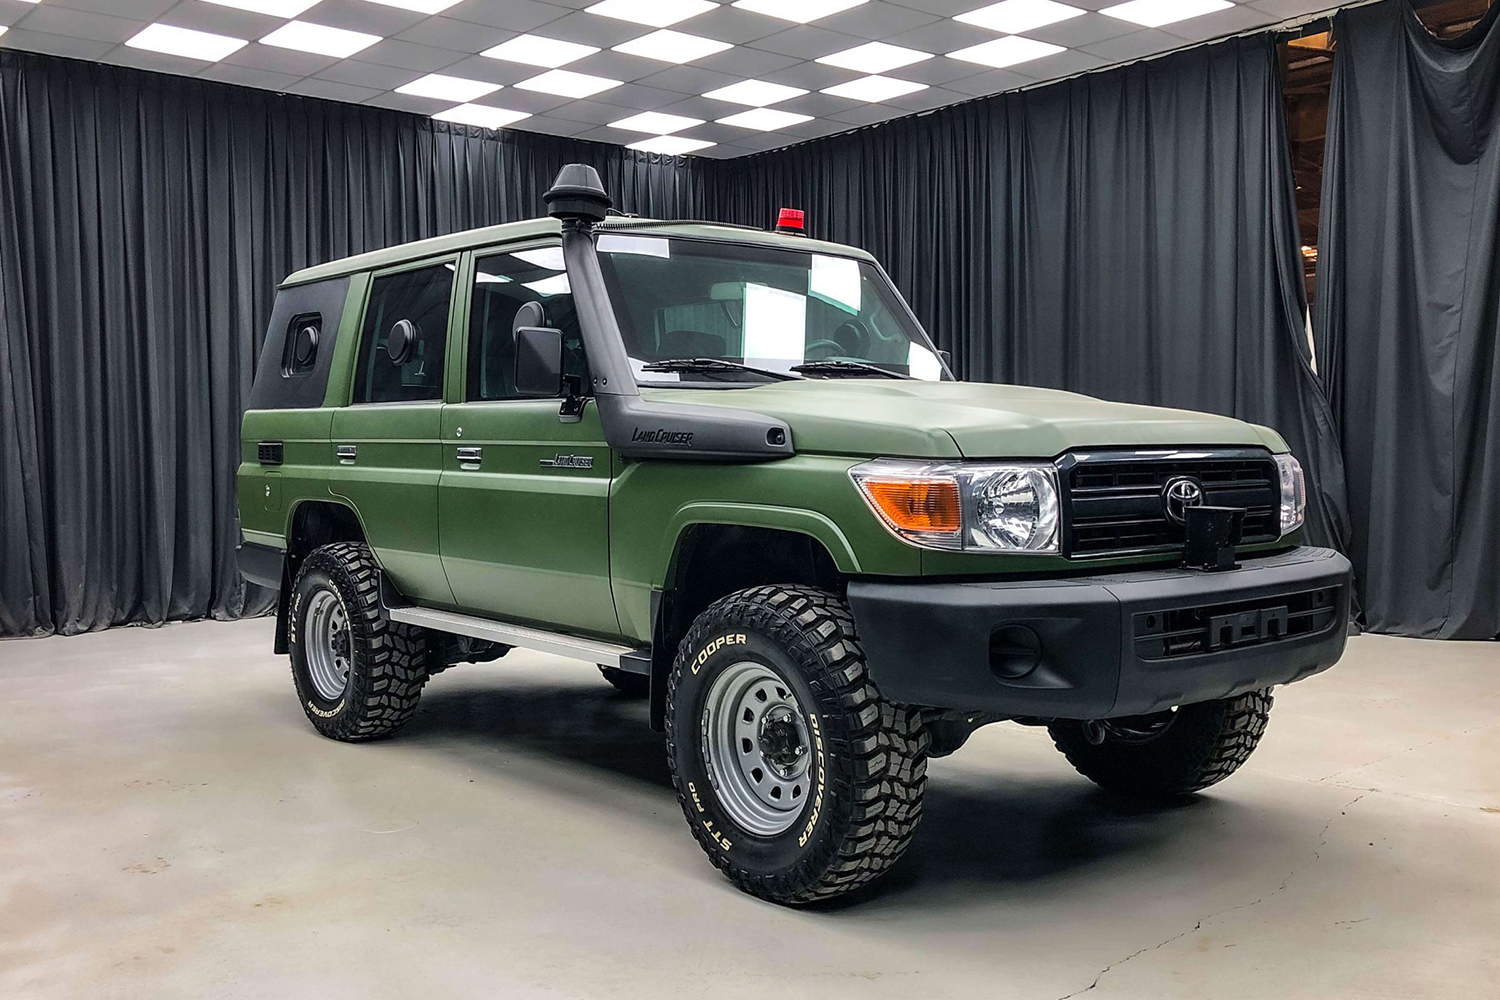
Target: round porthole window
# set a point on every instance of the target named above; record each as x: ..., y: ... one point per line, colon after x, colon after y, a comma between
x: 305, y: 346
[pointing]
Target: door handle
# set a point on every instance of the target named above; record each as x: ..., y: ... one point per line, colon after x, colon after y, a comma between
x: 469, y: 458
x: 347, y: 454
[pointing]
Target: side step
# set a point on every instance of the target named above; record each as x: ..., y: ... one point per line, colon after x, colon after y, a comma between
x: 523, y: 637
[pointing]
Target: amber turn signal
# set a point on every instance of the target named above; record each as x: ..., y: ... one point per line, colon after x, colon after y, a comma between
x: 925, y: 505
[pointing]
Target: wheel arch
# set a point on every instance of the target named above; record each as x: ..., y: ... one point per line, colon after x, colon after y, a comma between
x: 719, y: 549
x: 311, y: 524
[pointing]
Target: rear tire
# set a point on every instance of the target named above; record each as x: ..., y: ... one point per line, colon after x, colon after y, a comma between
x: 798, y: 780
x: 628, y: 684
x: 1199, y: 745
x: 359, y: 676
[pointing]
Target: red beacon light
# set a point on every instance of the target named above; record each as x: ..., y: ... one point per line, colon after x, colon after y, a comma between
x: 789, y: 220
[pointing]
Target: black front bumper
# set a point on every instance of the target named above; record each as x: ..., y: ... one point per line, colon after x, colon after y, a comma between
x: 1105, y: 646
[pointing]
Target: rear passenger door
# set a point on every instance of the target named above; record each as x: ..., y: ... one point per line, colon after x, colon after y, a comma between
x: 387, y: 440
x: 525, y: 493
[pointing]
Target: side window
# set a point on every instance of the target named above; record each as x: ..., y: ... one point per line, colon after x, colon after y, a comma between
x: 503, y: 283
x: 299, y: 355
x: 405, y: 330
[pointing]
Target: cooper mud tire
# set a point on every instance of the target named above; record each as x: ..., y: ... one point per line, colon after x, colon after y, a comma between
x: 784, y: 664
x: 628, y: 684
x: 358, y: 675
x: 1204, y: 744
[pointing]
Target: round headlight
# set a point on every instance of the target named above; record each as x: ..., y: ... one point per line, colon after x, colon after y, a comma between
x: 1017, y: 509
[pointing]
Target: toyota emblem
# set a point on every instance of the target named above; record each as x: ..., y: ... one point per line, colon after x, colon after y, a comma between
x: 1180, y: 493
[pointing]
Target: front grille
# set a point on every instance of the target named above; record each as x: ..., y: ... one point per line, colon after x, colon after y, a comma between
x: 1213, y: 628
x: 1112, y: 501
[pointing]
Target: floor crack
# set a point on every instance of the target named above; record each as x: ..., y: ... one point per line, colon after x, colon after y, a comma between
x: 1198, y: 925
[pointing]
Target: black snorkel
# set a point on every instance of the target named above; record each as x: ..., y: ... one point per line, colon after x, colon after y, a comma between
x: 635, y: 427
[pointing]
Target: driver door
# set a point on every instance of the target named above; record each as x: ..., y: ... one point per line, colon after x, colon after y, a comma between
x: 524, y: 492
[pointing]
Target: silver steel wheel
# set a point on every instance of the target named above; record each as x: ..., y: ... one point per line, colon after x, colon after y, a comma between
x: 757, y: 748
x: 329, y: 644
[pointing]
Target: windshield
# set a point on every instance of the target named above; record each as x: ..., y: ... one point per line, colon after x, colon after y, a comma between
x: 770, y: 308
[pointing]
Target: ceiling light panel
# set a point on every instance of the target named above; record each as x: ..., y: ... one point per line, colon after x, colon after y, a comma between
x: 481, y: 115
x: 566, y: 83
x: 656, y: 13
x: 874, y: 57
x: 800, y: 11
x: 185, y: 42
x: 755, y: 93
x: 320, y: 39
x: 1015, y: 16
x: 448, y: 88
x: 1154, y: 13
x: 765, y: 119
x: 672, y: 46
x: 1008, y: 51
x: 671, y: 145
x: 534, y: 50
x: 875, y: 88
x: 655, y: 123
x: 276, y: 8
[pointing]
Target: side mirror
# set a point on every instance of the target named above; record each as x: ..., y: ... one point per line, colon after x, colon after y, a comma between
x: 539, y: 362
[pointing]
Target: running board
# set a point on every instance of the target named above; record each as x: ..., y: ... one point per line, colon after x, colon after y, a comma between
x: 592, y: 650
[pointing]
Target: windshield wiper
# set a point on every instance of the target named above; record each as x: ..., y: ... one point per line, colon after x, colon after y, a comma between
x: 831, y: 367
x: 712, y: 365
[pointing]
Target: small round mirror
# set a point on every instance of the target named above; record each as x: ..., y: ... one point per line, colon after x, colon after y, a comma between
x: 530, y: 314
x: 305, y: 346
x: 401, y: 341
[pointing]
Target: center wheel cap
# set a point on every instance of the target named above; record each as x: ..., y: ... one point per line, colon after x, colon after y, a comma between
x: 781, y: 741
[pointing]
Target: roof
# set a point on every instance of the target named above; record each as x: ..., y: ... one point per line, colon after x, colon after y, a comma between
x: 512, y: 232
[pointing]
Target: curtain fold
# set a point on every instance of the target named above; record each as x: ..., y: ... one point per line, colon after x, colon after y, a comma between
x: 1408, y: 304
x: 1129, y: 234
x: 145, y: 222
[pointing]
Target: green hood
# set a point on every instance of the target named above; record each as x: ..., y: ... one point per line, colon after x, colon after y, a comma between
x: 966, y: 419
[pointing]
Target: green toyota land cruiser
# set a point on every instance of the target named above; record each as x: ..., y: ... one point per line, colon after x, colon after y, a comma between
x: 728, y: 466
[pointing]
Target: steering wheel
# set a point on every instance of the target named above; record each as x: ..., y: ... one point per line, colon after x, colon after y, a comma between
x: 831, y: 346
x: 853, y: 329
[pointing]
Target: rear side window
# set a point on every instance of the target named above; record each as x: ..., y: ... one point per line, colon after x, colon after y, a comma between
x: 411, y: 309
x: 503, y: 283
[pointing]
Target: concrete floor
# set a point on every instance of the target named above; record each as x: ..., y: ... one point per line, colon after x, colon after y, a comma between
x: 171, y: 827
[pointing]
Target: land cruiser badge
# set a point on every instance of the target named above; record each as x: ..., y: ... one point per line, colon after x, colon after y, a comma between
x: 568, y: 462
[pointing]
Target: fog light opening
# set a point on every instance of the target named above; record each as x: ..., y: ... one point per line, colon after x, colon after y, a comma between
x: 1015, y: 651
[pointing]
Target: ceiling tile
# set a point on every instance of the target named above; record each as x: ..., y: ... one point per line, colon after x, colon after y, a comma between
x: 689, y: 80
x: 927, y: 100
x: 552, y: 126
x: 1293, y: 8
x: 702, y: 107
x: 156, y: 62
x: 745, y: 62
x: 79, y: 24
x: 362, y: 74
x: 816, y: 104
x: 993, y: 81
x: 408, y: 55
x: 811, y: 76
x: 1060, y: 64
x: 723, y: 151
x: 517, y: 15
x: 245, y: 76
x: 530, y: 101
x: 876, y: 20
x: 945, y: 8
x: 460, y: 36
x: 332, y: 91
x: 1136, y: 45
x: 617, y: 65
x: 56, y: 45
x: 804, y: 41
x: 936, y: 72
x: 759, y: 142
x: 279, y: 60
x: 633, y: 95
x: 222, y: 20
x: 592, y: 112
x: 869, y: 114
x: 404, y: 102
x: 358, y: 15
x: 145, y: 10
x: 730, y: 24
x: 1218, y: 24
x: 1085, y: 29
x: 591, y: 29
x: 492, y: 70
x: 941, y: 36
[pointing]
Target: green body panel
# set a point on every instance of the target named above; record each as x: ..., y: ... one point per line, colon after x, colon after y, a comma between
x: 268, y: 495
x: 520, y: 540
x: 940, y: 420
x: 582, y: 549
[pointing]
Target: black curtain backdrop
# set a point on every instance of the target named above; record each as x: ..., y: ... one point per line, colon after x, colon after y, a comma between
x: 145, y: 222
x: 1408, y: 303
x: 1128, y: 234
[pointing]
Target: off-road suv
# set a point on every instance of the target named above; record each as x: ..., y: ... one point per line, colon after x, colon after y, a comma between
x: 728, y: 466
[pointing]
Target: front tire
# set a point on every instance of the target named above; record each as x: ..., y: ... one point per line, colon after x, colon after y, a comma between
x: 797, y: 778
x: 1169, y: 754
x: 358, y: 675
